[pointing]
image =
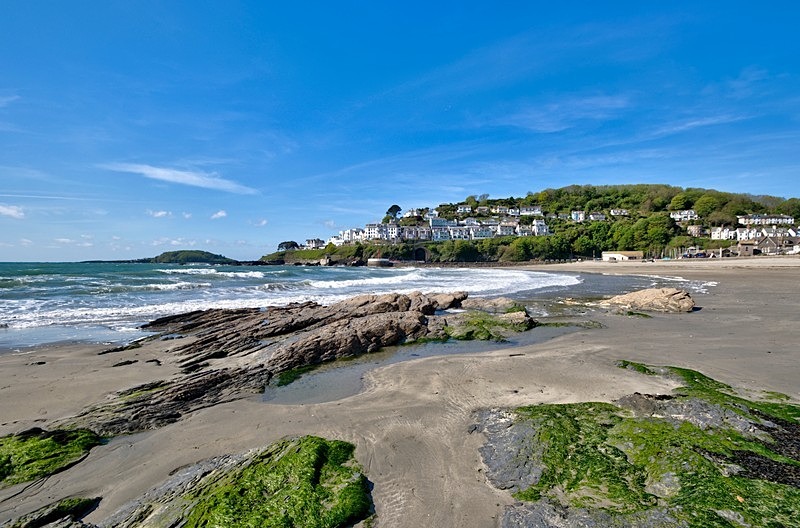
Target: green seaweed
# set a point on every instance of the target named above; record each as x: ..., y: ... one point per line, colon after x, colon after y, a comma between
x: 37, y: 453
x: 483, y: 326
x: 307, y: 482
x: 601, y: 456
x: 290, y: 376
x: 631, y: 313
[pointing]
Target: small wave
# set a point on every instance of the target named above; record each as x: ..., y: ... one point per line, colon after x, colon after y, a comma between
x: 188, y: 271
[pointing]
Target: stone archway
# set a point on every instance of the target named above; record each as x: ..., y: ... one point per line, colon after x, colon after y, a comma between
x: 421, y: 254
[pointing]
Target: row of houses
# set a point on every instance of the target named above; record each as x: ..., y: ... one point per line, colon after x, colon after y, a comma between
x: 438, y: 230
x: 753, y: 233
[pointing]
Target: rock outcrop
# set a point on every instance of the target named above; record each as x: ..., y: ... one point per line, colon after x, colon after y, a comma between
x: 654, y: 299
x: 223, y: 355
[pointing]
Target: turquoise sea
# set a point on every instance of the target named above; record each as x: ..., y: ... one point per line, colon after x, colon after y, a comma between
x: 107, y: 302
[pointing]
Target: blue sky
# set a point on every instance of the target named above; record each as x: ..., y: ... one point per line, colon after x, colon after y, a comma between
x: 132, y: 128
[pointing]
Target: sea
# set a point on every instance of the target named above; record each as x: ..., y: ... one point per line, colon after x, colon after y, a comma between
x: 105, y: 302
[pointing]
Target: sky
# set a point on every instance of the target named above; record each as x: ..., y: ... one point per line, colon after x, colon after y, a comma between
x: 132, y: 128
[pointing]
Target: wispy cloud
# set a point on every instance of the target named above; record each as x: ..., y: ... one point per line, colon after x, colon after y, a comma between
x: 260, y: 223
x: 685, y: 125
x: 159, y: 214
x: 7, y: 100
x: 186, y: 215
x: 13, y: 211
x: 181, y: 177
x: 567, y: 113
x: 219, y: 214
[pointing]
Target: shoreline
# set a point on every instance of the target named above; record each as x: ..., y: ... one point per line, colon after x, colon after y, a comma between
x: 411, y: 422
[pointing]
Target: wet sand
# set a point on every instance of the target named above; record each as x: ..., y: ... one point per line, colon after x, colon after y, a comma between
x: 411, y: 423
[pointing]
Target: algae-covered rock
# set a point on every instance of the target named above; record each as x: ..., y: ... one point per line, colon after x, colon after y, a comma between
x: 37, y: 453
x: 298, y: 482
x: 702, y: 456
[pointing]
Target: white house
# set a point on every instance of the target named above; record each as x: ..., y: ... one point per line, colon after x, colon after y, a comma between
x: 619, y: 212
x: 375, y: 232
x: 500, y: 209
x: 315, y: 243
x: 597, y: 217
x: 684, y: 216
x: 513, y: 211
x: 723, y: 233
x: 578, y: 216
x: 506, y: 229
x: 540, y: 228
x: 613, y: 256
x: 531, y: 210
x: 459, y: 233
x: 464, y: 209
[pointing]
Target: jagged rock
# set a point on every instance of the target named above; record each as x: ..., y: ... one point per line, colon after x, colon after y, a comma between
x: 228, y: 354
x: 654, y: 299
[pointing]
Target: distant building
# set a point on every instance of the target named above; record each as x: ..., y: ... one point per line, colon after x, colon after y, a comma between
x: 464, y: 209
x: 531, y: 210
x: 757, y: 219
x: 540, y: 228
x: 696, y: 230
x: 686, y: 215
x: 597, y: 217
x: 578, y: 216
x: 619, y: 212
x: 315, y: 243
x: 613, y: 256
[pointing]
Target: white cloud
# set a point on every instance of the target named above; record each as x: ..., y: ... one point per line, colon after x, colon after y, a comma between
x: 182, y: 177
x: 260, y: 223
x: 13, y: 211
x: 219, y: 214
x: 187, y: 215
x: 159, y: 214
x: 8, y: 99
x: 175, y: 242
x: 25, y: 242
x: 330, y: 224
x: 64, y: 240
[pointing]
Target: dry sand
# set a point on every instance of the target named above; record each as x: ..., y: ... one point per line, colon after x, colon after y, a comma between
x: 411, y: 424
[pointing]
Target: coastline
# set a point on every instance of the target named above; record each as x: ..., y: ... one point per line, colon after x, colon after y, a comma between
x: 411, y: 423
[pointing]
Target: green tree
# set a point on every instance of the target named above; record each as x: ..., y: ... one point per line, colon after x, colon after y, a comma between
x: 288, y: 245
x: 393, y: 211
x: 707, y: 204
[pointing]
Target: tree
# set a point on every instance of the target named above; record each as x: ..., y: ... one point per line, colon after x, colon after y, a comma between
x: 288, y: 245
x: 393, y: 211
x: 706, y: 204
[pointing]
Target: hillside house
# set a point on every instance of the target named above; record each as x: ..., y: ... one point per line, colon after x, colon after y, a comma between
x: 696, y: 230
x: 531, y: 210
x: 440, y: 234
x: 480, y: 232
x: 578, y: 216
x: 597, y: 217
x: 687, y: 215
x: 540, y: 228
x: 464, y: 209
x: 315, y: 243
x: 619, y: 212
x: 459, y: 233
x: 758, y: 219
x: 500, y: 209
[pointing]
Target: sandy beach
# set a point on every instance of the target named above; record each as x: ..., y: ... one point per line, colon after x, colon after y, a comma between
x: 411, y: 423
